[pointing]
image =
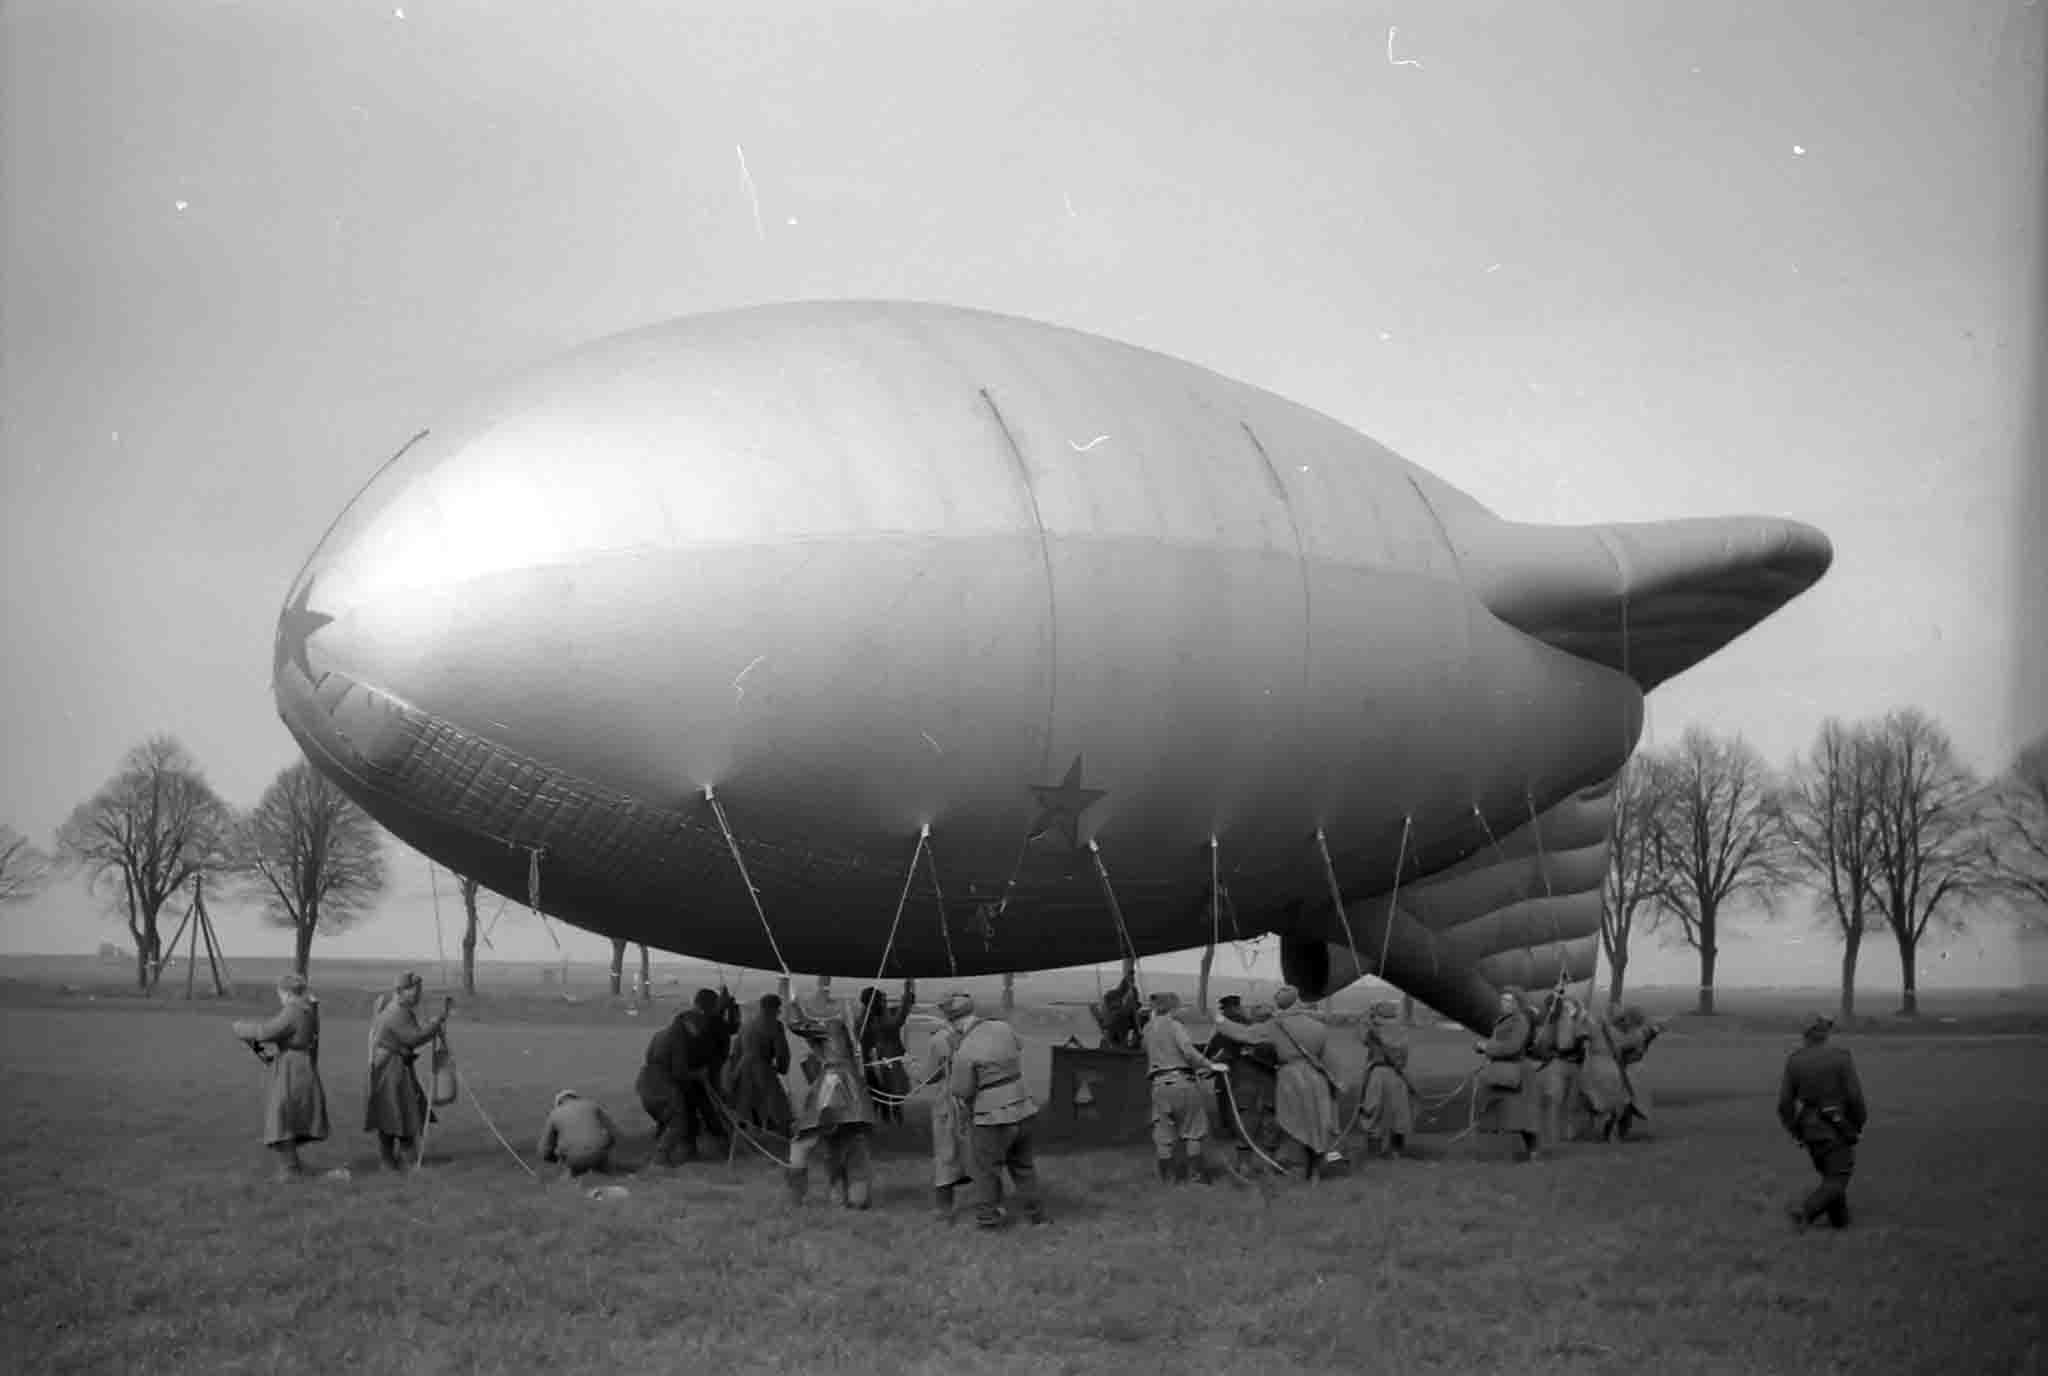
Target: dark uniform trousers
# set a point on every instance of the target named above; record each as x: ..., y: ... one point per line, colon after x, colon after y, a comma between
x: 1820, y: 1101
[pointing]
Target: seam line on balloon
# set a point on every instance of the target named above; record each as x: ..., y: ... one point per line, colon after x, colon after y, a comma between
x: 1052, y: 603
x: 1301, y: 564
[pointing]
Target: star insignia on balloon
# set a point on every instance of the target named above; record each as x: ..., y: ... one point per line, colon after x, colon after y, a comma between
x: 1060, y: 806
x: 297, y: 625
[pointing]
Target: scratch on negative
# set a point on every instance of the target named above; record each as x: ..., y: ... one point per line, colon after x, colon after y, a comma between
x: 932, y: 743
x: 1084, y: 448
x: 739, y: 686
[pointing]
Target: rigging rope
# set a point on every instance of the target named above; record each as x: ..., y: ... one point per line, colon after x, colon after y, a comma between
x: 533, y: 854
x: 1528, y: 947
x: 938, y: 896
x: 732, y: 844
x: 1337, y: 898
x: 1116, y: 914
x: 1393, y: 897
x: 1543, y: 868
x: 440, y: 947
x: 909, y: 877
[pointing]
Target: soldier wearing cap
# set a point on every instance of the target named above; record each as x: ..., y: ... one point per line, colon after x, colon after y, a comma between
x: 1389, y: 1110
x: 838, y: 1113
x: 987, y: 1080
x: 1304, y: 1089
x: 1820, y: 1102
x: 952, y: 1130
x: 580, y: 1135
x: 1180, y: 1109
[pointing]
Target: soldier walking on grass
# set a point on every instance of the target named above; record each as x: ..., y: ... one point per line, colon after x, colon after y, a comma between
x: 1820, y: 1102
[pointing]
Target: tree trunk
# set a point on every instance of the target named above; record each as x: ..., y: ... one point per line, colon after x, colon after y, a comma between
x: 1909, y: 1002
x: 618, y: 964
x: 782, y: 988
x: 1617, y: 980
x: 646, y: 979
x: 1009, y: 993
x: 1130, y: 969
x: 1202, y: 985
x: 469, y: 939
x: 1852, y: 945
x: 1707, y: 954
x: 148, y: 951
x: 302, y: 947
x: 1408, y: 1010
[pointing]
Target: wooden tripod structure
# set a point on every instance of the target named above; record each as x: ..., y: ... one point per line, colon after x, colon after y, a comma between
x: 201, y: 925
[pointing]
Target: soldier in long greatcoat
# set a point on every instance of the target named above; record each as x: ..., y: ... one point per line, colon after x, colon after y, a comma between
x: 1304, y: 1091
x: 396, y: 1109
x: 759, y: 1097
x: 838, y: 1114
x: 1388, y: 1107
x: 952, y: 1132
x: 295, y: 1101
x: 1506, y: 1098
x: 1561, y: 1047
x: 1613, y: 1094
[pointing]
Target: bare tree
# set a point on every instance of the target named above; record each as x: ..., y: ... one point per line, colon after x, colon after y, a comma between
x: 1933, y: 847
x: 2019, y: 823
x: 23, y: 868
x: 619, y: 945
x: 1831, y: 824
x: 1722, y: 840
x: 319, y: 858
x: 145, y: 834
x: 1641, y: 799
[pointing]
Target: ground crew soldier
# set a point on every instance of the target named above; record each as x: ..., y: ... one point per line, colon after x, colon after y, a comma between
x: 1180, y: 1108
x: 580, y: 1135
x: 1820, y: 1102
x: 987, y: 1083
x: 1387, y: 1101
x: 952, y: 1131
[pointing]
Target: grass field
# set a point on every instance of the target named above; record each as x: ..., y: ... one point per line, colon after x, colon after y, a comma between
x: 141, y: 1233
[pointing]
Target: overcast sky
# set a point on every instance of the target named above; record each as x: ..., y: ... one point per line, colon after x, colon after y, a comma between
x: 1588, y: 261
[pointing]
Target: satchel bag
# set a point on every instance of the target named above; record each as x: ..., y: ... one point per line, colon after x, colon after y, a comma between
x: 1501, y: 1075
x: 446, y: 1087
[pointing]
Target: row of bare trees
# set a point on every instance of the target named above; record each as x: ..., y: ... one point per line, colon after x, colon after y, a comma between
x: 313, y: 859
x: 1882, y: 819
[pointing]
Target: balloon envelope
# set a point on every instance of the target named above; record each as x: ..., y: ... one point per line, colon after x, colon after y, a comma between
x: 887, y: 638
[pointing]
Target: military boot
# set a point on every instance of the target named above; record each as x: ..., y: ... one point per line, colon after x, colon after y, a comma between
x: 1397, y: 1145
x: 942, y: 1202
x: 1164, y: 1165
x: 798, y: 1181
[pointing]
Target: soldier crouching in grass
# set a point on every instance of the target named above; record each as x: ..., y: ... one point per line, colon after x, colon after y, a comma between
x: 396, y: 1109
x: 1820, y: 1102
x: 580, y: 1135
x: 294, y: 1102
